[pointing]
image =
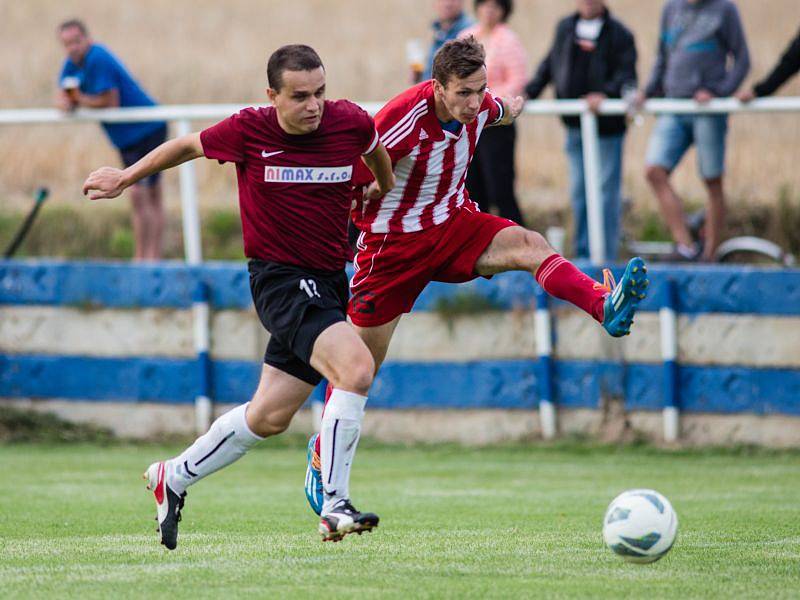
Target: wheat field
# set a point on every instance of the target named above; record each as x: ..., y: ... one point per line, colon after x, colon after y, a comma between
x: 204, y: 51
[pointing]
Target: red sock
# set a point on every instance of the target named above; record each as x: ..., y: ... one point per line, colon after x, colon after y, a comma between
x: 560, y: 278
x: 328, y: 392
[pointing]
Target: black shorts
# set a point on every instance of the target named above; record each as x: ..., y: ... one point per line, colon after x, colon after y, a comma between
x: 295, y: 305
x: 134, y: 153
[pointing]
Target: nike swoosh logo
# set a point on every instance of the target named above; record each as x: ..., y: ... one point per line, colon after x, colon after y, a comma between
x: 268, y: 154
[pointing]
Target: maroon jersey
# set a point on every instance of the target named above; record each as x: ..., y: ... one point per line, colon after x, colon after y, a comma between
x: 294, y: 190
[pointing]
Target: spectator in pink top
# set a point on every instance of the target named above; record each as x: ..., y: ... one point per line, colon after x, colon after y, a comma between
x: 491, y: 176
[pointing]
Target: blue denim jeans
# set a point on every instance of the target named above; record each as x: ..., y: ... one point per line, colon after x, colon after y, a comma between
x: 674, y: 134
x: 610, y: 188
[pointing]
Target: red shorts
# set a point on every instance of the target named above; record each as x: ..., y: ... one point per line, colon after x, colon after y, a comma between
x: 392, y: 269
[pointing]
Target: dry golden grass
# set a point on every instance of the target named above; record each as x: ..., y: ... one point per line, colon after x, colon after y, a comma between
x: 206, y: 51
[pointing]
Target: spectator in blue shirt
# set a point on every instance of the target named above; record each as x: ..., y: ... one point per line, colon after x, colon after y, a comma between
x: 451, y: 21
x: 92, y: 77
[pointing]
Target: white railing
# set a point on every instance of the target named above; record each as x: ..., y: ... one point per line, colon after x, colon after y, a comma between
x: 183, y: 115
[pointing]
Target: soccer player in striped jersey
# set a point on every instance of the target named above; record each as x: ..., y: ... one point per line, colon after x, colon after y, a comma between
x: 427, y: 228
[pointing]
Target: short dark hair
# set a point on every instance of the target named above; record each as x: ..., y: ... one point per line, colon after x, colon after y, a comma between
x: 76, y: 23
x: 507, y: 6
x: 294, y: 57
x: 461, y: 57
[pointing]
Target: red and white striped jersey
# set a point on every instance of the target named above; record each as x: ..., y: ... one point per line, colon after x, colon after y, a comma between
x: 430, y: 164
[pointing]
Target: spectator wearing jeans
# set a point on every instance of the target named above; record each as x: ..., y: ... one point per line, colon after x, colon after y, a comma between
x: 593, y: 56
x: 491, y: 176
x: 92, y: 77
x: 788, y: 66
x: 699, y: 38
x: 451, y: 21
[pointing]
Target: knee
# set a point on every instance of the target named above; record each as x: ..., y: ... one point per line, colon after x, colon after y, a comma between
x: 531, y: 248
x: 535, y: 247
x: 156, y: 206
x: 713, y: 184
x: 355, y: 373
x: 655, y: 174
x: 535, y: 241
x: 137, y: 191
x: 266, y: 422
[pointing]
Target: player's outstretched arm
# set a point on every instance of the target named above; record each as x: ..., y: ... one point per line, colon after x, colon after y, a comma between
x: 380, y: 163
x: 108, y: 182
x: 512, y: 109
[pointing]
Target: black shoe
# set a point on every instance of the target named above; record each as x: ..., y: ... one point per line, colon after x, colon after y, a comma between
x: 345, y: 519
x: 168, y: 504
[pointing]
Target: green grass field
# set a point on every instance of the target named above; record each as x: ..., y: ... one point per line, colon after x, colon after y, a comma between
x: 501, y: 522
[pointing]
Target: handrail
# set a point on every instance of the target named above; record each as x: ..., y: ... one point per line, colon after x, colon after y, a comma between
x: 209, y: 112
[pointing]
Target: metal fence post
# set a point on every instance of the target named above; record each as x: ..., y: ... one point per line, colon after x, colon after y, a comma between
x: 193, y: 254
x: 201, y: 313
x: 591, y: 178
x: 191, y: 217
x: 544, y: 351
x: 669, y: 353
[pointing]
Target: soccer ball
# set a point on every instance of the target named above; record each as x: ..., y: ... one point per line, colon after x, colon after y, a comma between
x: 640, y: 526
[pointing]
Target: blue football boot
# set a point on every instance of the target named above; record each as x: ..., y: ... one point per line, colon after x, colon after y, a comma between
x: 313, y: 477
x: 623, y: 297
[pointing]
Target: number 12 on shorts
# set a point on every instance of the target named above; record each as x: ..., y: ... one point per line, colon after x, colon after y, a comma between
x: 309, y: 286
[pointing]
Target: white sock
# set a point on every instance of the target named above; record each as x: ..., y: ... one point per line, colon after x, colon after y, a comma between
x: 341, y: 428
x: 226, y: 441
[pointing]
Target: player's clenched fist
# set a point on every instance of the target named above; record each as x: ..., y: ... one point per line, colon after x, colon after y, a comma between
x: 106, y: 182
x: 514, y: 105
x: 374, y: 190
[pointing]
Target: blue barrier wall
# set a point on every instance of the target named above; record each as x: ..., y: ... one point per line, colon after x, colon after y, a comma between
x: 701, y: 289
x: 486, y: 383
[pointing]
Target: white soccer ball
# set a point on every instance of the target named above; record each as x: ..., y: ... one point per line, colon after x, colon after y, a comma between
x: 640, y: 526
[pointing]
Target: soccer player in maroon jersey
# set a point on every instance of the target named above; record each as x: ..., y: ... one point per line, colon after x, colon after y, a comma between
x: 427, y: 228
x: 294, y: 164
